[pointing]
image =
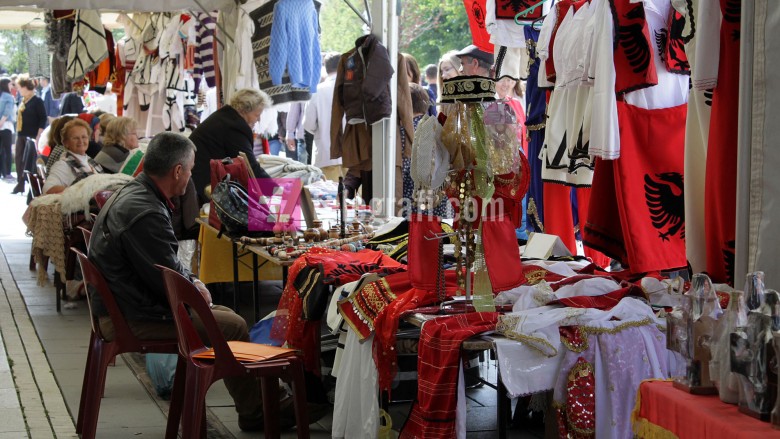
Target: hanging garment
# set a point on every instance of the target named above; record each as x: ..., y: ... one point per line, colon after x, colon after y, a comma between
x: 203, y: 68
x: 238, y: 67
x: 88, y: 45
x: 720, y: 194
x: 535, y: 122
x: 696, y: 136
x: 475, y: 10
x: 37, y: 56
x: 648, y: 182
x: 501, y: 257
x: 433, y: 412
x: 500, y: 21
x: 59, y: 34
x: 356, y: 407
x: 262, y: 15
x: 295, y: 44
x: 100, y: 76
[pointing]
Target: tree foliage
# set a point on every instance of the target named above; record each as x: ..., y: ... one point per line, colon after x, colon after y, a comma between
x: 340, y: 26
x: 427, y: 28
x: 15, y: 52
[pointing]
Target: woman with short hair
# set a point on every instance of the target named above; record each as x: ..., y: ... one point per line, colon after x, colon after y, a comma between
x: 7, y: 127
x: 30, y: 121
x: 120, y: 138
x: 74, y: 164
x: 226, y: 133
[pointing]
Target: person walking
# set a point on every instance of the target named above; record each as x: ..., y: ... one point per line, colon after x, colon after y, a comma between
x: 30, y: 121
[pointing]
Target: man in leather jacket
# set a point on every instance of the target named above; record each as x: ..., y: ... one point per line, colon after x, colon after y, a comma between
x: 132, y: 233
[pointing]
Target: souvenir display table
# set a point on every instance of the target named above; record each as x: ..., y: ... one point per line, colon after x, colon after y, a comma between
x: 247, y: 263
x: 665, y: 412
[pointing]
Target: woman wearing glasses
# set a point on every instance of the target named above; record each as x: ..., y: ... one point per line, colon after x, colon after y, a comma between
x: 74, y: 164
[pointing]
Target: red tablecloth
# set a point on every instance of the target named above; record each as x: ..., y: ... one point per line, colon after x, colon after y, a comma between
x: 665, y: 412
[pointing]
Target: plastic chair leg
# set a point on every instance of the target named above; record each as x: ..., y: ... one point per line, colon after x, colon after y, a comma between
x: 299, y: 393
x: 103, y: 353
x: 193, y: 411
x: 270, y: 386
x: 87, y: 377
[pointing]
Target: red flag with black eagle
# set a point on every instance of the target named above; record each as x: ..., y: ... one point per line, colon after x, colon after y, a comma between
x: 475, y: 9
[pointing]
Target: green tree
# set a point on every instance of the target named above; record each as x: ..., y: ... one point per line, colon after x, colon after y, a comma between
x: 16, y: 54
x: 340, y: 26
x: 428, y: 28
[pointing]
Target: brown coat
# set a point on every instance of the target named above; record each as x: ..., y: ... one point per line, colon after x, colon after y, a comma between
x: 353, y: 143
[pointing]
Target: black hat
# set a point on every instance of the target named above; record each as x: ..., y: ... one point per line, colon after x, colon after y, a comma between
x: 476, y: 53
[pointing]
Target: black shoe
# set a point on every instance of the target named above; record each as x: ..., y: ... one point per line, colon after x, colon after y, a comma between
x: 246, y: 423
x: 18, y: 189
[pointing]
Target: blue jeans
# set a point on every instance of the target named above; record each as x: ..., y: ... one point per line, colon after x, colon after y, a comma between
x: 275, y: 146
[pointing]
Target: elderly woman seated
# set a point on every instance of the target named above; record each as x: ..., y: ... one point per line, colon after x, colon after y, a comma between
x: 74, y: 164
x: 121, y: 137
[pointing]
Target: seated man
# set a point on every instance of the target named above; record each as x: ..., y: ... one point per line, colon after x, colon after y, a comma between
x: 132, y: 233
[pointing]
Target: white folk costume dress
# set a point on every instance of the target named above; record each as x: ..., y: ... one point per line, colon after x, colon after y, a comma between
x: 699, y: 33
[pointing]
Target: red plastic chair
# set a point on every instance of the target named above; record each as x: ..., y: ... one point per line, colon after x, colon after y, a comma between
x: 201, y: 374
x: 102, y: 352
x: 101, y: 197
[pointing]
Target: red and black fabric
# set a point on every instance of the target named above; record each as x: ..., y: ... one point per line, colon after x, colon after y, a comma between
x: 633, y: 58
x: 219, y: 169
x: 720, y: 190
x: 560, y: 200
x: 289, y: 325
x: 475, y: 10
x: 502, y: 257
x: 423, y: 250
x: 603, y: 231
x: 649, y: 186
x: 671, y: 45
x: 508, y: 9
x: 343, y: 267
x: 433, y: 413
x: 386, y: 325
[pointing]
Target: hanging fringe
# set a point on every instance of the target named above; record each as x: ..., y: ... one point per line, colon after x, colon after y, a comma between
x: 643, y: 428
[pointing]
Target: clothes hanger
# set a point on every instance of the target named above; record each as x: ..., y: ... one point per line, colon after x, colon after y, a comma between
x: 538, y: 22
x: 27, y: 25
x: 524, y: 13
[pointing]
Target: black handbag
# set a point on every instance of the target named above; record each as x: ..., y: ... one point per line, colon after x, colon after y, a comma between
x: 232, y: 204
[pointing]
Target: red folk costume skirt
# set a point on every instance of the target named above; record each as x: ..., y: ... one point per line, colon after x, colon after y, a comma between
x: 637, y: 212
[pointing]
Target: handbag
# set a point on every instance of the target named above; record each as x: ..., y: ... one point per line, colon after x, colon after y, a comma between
x: 219, y: 169
x: 231, y: 204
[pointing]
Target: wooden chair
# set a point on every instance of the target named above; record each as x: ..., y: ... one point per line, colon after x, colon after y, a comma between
x: 184, y: 298
x: 102, y: 352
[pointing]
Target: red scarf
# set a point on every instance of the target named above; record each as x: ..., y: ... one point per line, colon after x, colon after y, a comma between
x: 433, y: 413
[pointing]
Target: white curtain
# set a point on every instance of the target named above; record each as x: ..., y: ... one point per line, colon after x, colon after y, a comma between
x: 758, y: 187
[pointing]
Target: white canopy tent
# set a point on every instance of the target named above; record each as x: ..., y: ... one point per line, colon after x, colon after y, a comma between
x: 121, y: 5
x: 30, y: 18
